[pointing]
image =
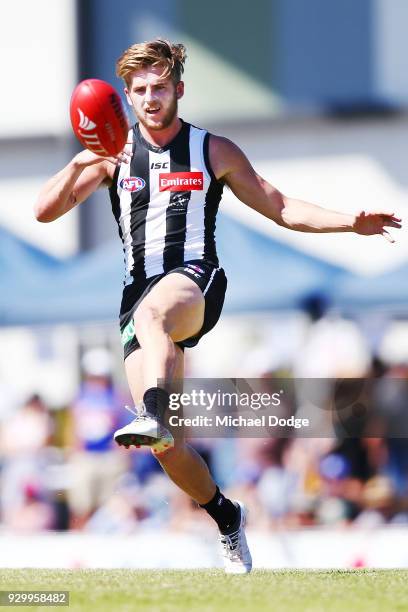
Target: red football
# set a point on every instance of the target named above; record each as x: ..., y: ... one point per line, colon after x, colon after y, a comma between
x: 98, y: 117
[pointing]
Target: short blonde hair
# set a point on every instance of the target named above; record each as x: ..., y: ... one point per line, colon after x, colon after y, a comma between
x: 152, y: 53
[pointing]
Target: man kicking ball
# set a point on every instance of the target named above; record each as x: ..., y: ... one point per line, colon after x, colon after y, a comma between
x: 165, y: 188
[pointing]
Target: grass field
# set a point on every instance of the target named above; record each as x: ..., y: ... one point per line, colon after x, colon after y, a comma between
x: 280, y: 591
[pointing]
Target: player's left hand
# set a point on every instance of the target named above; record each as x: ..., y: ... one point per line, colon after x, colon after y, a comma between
x: 371, y: 223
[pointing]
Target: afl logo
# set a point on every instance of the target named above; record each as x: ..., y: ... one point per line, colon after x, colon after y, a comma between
x: 132, y: 183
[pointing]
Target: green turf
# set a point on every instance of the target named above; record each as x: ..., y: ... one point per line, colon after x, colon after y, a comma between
x: 212, y: 590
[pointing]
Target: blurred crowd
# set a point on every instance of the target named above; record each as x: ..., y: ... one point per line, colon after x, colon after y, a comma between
x: 60, y: 470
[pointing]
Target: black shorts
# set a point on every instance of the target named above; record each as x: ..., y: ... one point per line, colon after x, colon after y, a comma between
x: 212, y: 282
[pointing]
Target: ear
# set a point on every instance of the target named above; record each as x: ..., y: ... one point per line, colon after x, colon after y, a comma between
x: 180, y: 89
x: 127, y: 96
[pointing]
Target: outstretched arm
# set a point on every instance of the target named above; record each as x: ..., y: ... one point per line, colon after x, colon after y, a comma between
x: 231, y: 166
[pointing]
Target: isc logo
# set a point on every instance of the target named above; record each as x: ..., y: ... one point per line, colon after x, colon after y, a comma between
x: 159, y: 165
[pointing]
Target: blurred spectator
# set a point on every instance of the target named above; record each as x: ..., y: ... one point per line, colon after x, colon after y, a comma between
x: 25, y: 501
x: 331, y: 347
x: 278, y: 483
x: 28, y: 430
x: 95, y: 462
x: 8, y: 400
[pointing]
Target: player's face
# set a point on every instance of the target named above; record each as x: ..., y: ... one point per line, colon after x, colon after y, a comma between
x: 154, y: 99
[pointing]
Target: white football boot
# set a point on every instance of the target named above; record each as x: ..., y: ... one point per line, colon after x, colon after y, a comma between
x: 235, y: 551
x: 144, y: 430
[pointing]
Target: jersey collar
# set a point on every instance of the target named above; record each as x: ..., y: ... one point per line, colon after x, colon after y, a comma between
x: 184, y: 126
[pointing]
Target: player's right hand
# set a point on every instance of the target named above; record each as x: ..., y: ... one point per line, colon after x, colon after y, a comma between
x: 87, y: 158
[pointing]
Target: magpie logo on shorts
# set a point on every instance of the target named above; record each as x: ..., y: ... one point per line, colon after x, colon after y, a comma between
x: 196, y: 268
x: 132, y: 183
x: 190, y: 271
x: 181, y: 181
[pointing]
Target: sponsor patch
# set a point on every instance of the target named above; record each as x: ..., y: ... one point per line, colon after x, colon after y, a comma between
x: 181, y: 181
x: 159, y: 165
x: 128, y: 333
x: 132, y: 183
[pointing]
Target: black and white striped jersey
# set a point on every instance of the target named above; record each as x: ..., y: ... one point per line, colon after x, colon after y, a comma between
x: 165, y: 202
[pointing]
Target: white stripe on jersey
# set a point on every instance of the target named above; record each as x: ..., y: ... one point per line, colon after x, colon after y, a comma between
x: 125, y: 202
x: 194, y: 242
x: 155, y: 227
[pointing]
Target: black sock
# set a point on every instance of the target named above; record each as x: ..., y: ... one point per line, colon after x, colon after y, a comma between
x: 156, y: 401
x: 223, y: 511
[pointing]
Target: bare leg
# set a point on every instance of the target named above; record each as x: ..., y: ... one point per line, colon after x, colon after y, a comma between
x: 172, y: 311
x: 184, y: 466
x: 188, y: 471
